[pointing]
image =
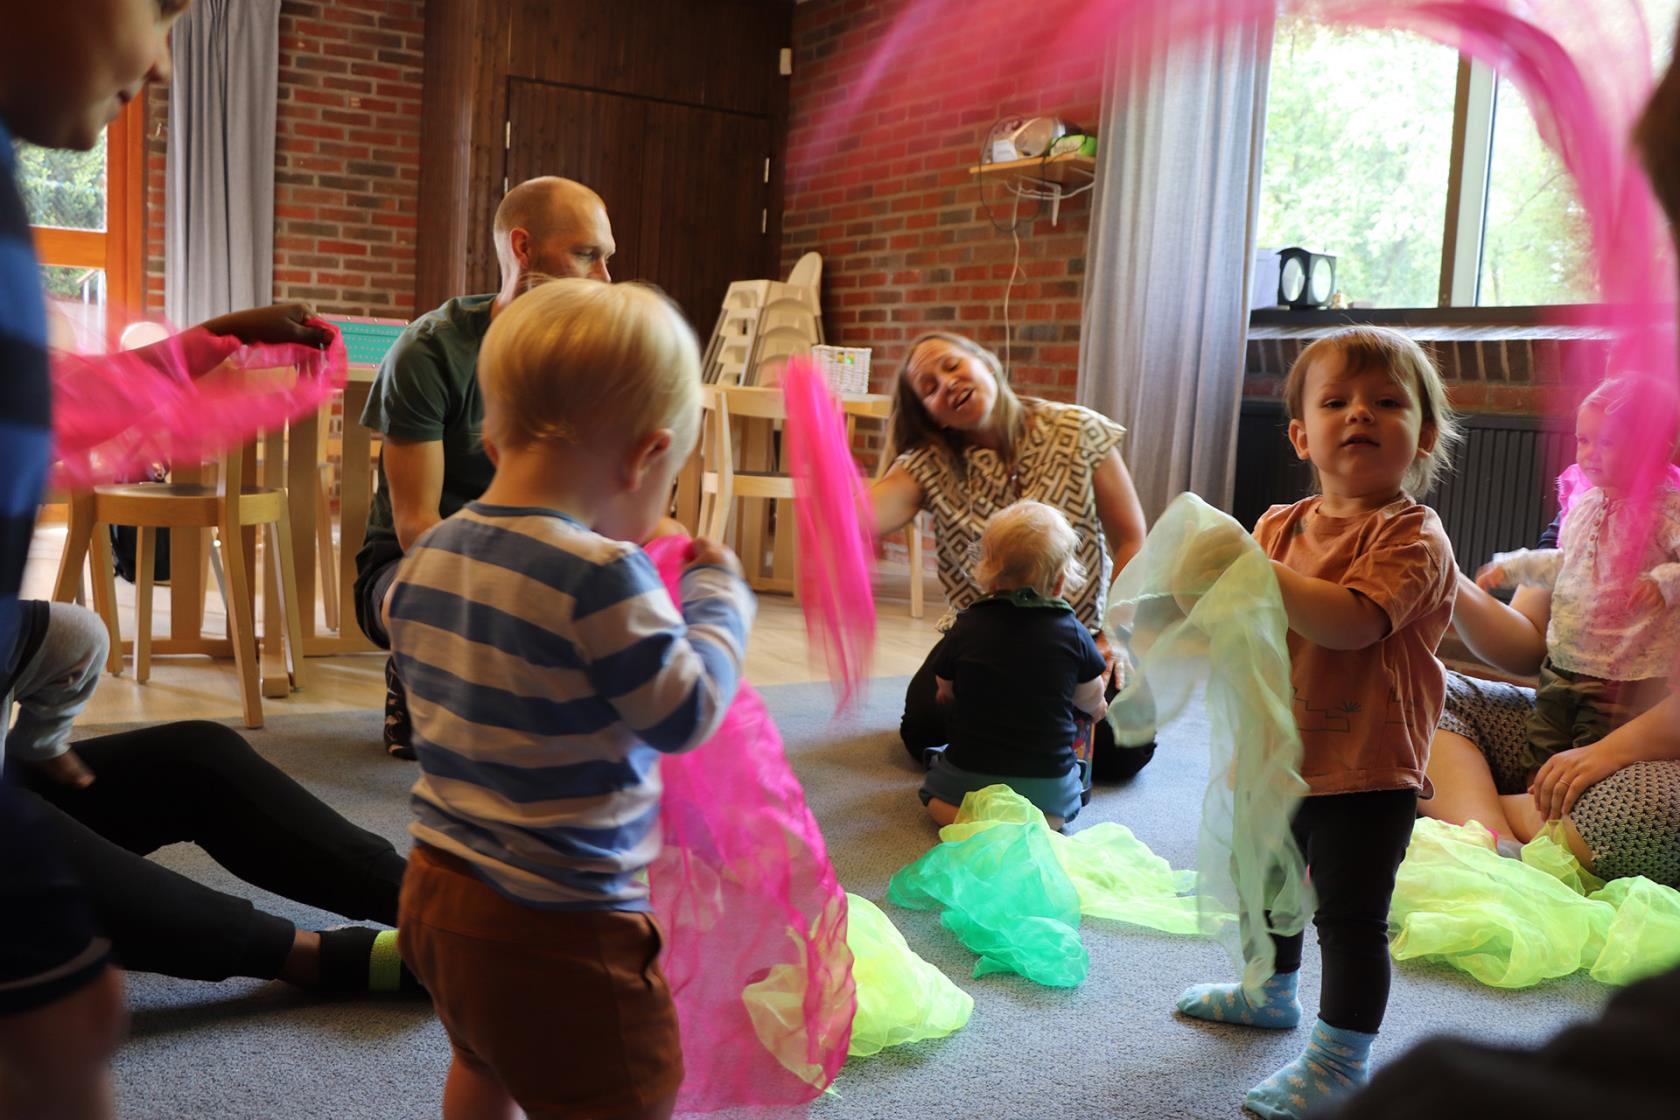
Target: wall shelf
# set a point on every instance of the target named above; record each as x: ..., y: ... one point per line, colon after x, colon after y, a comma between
x: 1052, y: 177
x: 1071, y: 169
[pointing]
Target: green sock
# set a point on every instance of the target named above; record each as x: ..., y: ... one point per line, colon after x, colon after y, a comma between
x: 361, y: 959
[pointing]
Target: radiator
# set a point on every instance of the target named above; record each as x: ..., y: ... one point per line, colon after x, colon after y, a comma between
x: 1500, y: 494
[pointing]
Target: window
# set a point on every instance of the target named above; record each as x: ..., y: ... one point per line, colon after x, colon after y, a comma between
x: 85, y: 208
x: 1536, y: 247
x: 1424, y: 173
x: 1358, y: 132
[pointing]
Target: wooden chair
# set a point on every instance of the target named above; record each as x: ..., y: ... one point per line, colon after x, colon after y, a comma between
x: 228, y: 507
x: 722, y: 482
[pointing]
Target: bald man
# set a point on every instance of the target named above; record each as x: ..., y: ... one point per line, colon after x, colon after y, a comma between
x: 425, y: 399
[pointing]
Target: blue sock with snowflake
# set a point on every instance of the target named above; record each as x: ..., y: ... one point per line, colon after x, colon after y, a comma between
x: 1226, y: 1003
x: 1336, y: 1063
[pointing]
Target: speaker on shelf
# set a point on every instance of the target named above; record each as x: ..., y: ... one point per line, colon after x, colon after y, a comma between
x: 1306, y: 279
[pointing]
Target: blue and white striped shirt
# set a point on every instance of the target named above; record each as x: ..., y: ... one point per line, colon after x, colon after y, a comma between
x: 547, y: 669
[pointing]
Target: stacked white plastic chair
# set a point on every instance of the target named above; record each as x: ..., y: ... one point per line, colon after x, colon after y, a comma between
x: 765, y: 322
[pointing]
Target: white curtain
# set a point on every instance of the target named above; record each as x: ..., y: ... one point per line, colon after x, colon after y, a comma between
x: 219, y: 209
x: 1169, y: 253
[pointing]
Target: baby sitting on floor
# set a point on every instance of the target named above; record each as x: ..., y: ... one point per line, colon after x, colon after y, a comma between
x: 1018, y: 666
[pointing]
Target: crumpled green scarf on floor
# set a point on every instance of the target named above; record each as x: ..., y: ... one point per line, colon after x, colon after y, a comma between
x: 1014, y: 891
x: 901, y: 998
x: 1513, y: 924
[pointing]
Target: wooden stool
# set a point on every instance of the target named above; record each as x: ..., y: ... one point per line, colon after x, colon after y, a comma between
x: 228, y: 508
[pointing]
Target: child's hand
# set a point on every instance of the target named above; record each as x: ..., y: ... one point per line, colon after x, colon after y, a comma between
x: 702, y: 552
x: 1647, y: 597
x: 1491, y: 577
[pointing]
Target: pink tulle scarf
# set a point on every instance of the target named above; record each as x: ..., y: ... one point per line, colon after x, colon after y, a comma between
x: 836, y: 535
x: 742, y: 885
x: 190, y: 397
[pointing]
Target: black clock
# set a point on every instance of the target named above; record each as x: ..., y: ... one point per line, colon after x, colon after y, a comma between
x: 1306, y: 279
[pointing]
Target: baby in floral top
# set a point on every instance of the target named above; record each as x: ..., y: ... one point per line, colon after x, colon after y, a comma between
x: 1615, y: 577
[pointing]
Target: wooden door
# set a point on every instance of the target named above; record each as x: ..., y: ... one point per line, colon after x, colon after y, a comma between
x: 686, y: 187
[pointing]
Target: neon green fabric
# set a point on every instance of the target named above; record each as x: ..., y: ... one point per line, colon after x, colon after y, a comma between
x: 1014, y: 891
x: 900, y: 997
x: 1504, y: 922
x: 1645, y: 937
x: 1513, y: 924
x: 1202, y: 609
x: 1114, y: 873
x: 1005, y: 896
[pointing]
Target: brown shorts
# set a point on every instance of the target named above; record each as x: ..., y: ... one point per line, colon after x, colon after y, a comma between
x: 568, y: 1009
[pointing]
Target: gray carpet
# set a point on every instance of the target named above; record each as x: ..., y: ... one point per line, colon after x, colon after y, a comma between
x: 1110, y: 1048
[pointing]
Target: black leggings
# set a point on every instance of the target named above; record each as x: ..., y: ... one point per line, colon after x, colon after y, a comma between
x: 201, y: 783
x: 1353, y: 844
x: 925, y: 725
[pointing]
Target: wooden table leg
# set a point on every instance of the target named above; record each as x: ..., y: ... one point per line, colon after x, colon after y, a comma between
x: 753, y: 516
x: 303, y: 483
x: 355, y: 483
x: 276, y: 681
x: 686, y: 507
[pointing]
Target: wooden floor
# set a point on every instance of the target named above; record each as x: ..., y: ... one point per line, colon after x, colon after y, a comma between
x: 201, y: 688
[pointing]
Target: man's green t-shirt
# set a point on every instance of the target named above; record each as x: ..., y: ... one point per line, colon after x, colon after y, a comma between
x: 427, y: 389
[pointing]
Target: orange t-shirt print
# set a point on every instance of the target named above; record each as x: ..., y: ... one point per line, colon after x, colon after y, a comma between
x: 1366, y: 716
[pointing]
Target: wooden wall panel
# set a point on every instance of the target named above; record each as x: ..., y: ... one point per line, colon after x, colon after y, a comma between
x: 704, y: 201
x: 720, y: 54
x: 464, y: 106
x: 595, y: 138
x: 484, y: 56
x: 685, y: 187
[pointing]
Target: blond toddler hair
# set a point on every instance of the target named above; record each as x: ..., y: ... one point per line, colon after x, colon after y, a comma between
x: 1030, y: 544
x: 591, y: 364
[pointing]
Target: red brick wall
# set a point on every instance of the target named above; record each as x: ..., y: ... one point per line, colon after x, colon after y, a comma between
x: 906, y: 243
x: 347, y: 158
x: 347, y: 162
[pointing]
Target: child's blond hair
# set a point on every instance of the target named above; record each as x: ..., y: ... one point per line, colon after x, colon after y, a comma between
x: 588, y: 363
x: 1364, y: 349
x: 1648, y: 405
x: 1029, y: 544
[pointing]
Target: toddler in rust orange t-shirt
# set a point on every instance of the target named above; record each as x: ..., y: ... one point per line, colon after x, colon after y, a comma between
x: 1367, y: 578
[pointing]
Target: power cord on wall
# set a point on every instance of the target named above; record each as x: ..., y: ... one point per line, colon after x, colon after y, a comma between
x: 1013, y: 229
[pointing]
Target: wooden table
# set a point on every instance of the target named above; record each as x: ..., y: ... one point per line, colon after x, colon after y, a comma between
x: 758, y: 451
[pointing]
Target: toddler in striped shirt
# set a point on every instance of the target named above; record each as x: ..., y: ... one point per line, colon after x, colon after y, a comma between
x: 547, y: 671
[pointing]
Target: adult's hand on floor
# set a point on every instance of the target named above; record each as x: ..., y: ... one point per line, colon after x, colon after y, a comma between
x: 66, y: 770
x: 1567, y: 775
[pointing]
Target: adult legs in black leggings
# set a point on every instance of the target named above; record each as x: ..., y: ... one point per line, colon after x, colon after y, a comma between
x: 924, y: 724
x: 201, y: 783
